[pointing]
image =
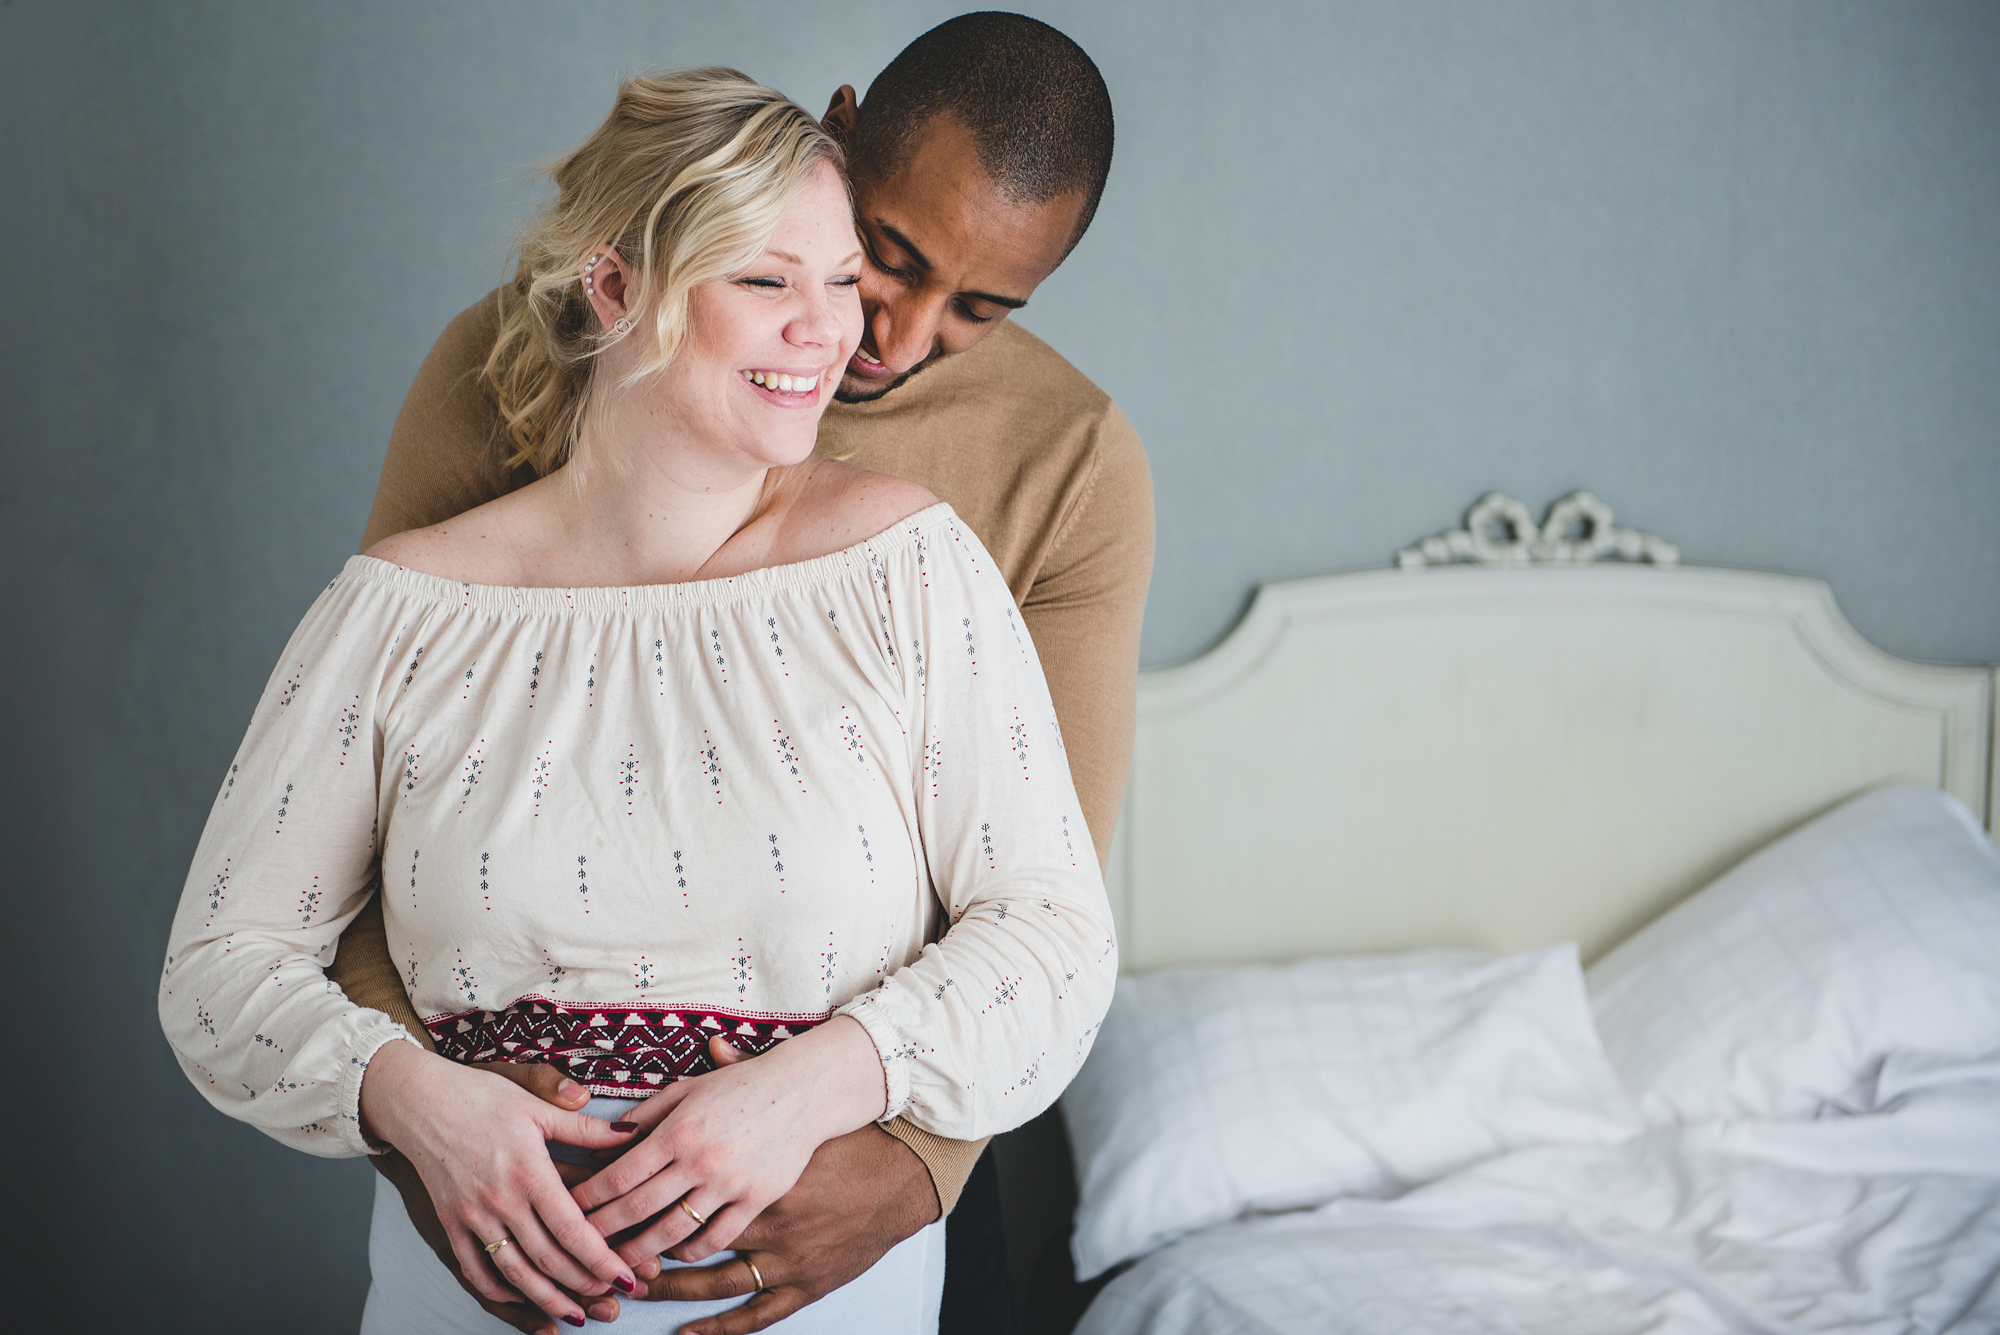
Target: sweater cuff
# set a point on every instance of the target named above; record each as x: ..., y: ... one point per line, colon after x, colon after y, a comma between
x: 889, y: 1046
x: 361, y: 1050
x: 949, y: 1162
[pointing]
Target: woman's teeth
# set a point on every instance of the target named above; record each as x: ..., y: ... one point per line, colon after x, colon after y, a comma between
x: 783, y: 384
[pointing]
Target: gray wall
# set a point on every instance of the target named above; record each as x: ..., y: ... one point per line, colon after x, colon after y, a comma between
x: 1735, y: 267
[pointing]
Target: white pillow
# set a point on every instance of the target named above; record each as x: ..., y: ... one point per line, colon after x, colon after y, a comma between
x: 1211, y: 1093
x: 1864, y: 944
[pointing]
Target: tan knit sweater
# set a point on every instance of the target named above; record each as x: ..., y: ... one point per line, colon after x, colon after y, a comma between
x: 1033, y: 456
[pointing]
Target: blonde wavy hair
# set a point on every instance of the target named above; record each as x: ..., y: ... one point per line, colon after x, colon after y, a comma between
x: 687, y: 179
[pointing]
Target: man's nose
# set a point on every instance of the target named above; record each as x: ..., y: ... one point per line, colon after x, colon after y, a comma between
x: 905, y: 330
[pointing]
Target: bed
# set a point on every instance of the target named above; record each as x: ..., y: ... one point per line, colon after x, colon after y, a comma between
x: 1544, y: 935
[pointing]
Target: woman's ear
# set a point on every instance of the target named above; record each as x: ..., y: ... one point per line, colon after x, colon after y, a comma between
x: 608, y: 286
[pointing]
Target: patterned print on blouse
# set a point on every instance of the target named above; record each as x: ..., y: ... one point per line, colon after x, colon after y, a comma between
x: 218, y: 892
x: 777, y: 647
x: 788, y: 756
x: 349, y: 726
x: 471, y: 772
x: 711, y: 766
x: 615, y: 1050
x: 540, y: 773
x: 465, y: 980
x: 850, y: 736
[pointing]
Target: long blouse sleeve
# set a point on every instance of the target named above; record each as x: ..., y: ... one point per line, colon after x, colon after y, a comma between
x: 986, y: 1026
x: 282, y: 867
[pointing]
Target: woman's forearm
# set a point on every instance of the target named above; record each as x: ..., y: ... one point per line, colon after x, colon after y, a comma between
x: 839, y: 1066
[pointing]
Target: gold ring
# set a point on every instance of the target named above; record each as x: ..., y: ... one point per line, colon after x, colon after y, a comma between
x: 493, y: 1247
x: 755, y: 1273
x: 691, y: 1214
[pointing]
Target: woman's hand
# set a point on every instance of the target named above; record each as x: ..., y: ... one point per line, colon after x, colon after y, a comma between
x: 479, y: 1143
x: 726, y: 1144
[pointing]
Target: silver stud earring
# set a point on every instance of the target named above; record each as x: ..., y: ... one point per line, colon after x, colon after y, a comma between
x: 623, y: 325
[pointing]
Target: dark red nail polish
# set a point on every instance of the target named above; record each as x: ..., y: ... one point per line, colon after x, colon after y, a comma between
x: 574, y: 1320
x: 625, y: 1126
x: 622, y: 1284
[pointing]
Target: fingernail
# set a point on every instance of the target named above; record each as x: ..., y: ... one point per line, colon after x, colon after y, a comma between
x: 622, y: 1284
x: 567, y: 1089
x: 625, y: 1126
x: 574, y: 1320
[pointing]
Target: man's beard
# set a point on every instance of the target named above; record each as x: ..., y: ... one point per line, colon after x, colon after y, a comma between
x: 841, y: 394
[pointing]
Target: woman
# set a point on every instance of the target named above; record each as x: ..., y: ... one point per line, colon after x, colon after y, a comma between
x: 696, y: 736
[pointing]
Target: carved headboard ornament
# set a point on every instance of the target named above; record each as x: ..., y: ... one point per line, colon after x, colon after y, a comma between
x: 1499, y: 530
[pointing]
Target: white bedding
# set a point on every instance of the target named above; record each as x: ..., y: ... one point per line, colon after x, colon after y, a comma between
x: 1881, y: 1223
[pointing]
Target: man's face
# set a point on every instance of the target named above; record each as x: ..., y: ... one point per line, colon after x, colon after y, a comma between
x: 949, y: 256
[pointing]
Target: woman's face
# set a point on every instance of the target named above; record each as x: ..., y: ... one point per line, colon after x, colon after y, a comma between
x: 764, y: 350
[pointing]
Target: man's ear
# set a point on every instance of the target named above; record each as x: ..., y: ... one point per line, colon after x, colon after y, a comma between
x: 840, y: 114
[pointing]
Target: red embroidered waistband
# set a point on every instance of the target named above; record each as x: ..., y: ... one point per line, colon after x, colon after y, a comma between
x: 619, y: 1051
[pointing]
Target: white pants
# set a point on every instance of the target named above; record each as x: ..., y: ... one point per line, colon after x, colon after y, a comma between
x: 413, y: 1294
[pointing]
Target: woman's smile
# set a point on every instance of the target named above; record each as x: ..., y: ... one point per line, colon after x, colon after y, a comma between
x: 787, y: 388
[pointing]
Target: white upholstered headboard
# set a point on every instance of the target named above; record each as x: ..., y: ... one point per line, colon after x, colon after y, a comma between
x: 1529, y: 749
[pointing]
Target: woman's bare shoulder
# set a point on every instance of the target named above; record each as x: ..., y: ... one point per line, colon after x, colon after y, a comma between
x: 476, y: 547
x: 849, y: 504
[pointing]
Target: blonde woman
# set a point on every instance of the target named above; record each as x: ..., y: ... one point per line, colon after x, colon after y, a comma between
x: 698, y: 736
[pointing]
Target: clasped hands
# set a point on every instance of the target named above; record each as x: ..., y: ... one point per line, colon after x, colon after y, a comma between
x: 773, y: 1155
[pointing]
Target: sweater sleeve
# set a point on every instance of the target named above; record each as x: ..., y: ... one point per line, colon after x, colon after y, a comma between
x: 284, y: 864
x: 1085, y: 609
x: 986, y: 1026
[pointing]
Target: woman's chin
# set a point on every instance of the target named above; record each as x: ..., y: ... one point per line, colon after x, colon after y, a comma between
x: 782, y: 450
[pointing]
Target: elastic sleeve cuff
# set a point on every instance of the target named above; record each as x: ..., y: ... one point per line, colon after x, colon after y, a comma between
x: 949, y: 1162
x: 889, y: 1046
x: 361, y: 1050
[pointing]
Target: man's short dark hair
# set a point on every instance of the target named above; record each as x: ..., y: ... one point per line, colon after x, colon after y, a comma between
x: 1035, y: 104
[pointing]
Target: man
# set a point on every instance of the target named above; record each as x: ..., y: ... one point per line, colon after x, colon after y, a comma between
x: 977, y: 162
